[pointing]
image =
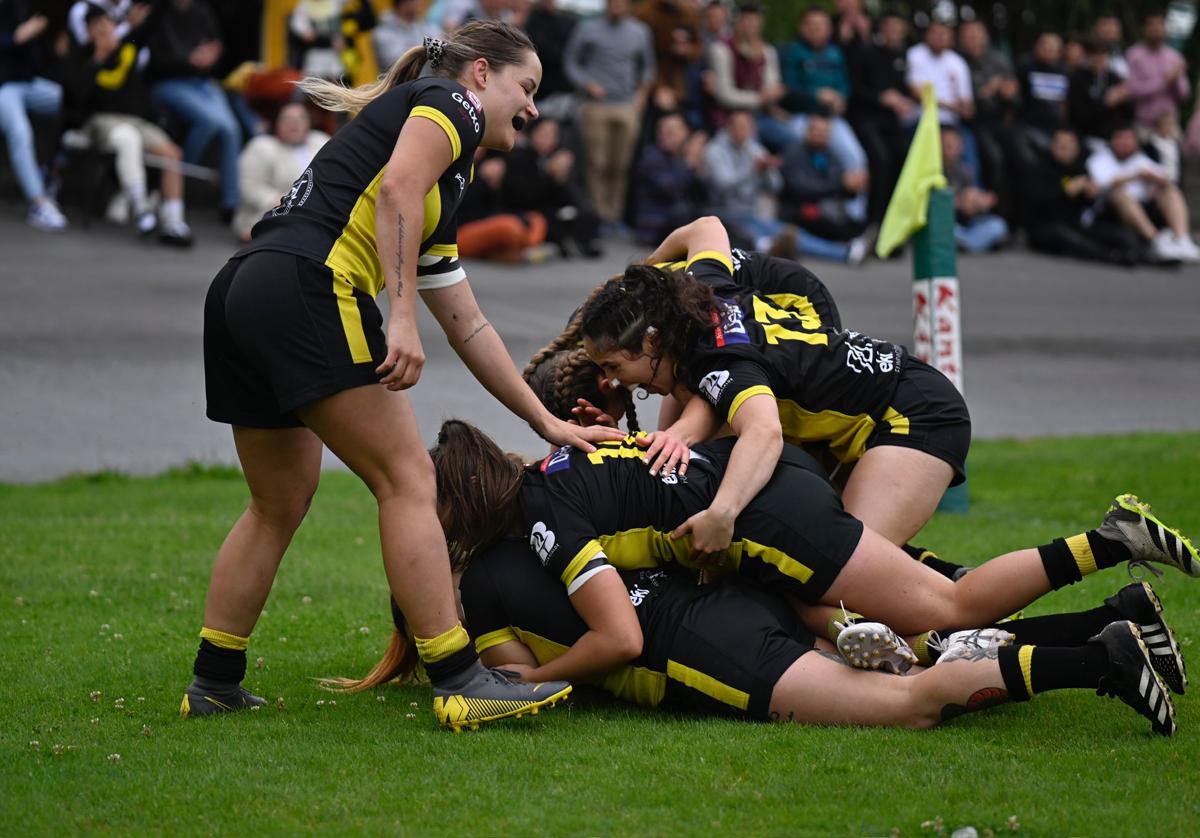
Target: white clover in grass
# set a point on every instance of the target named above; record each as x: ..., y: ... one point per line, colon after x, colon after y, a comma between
x: 104, y: 627
x: 283, y: 640
x: 381, y: 698
x: 358, y: 539
x: 255, y: 707
x: 413, y: 704
x: 153, y: 577
x: 364, y: 630
x: 96, y: 721
x: 19, y: 601
x: 260, y: 662
x: 94, y: 695
x: 33, y: 743
x: 118, y: 636
x: 93, y: 594
x: 321, y: 702
x: 306, y: 600
x: 141, y: 698
x: 332, y: 703
x: 1013, y: 823
x: 57, y: 749
x: 293, y: 618
x: 265, y: 613
x: 410, y: 715
x: 119, y: 704
x: 114, y: 758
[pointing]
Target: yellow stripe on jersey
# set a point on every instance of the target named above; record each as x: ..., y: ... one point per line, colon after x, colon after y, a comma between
x: 846, y: 434
x: 798, y: 305
x: 897, y: 420
x: 629, y: 683
x: 450, y: 250
x: 708, y: 685
x: 114, y: 77
x: 433, y: 214
x: 618, y: 448
x: 356, y: 338
x: 494, y: 638
x: 715, y: 255
x: 1025, y: 658
x: 355, y: 254
x: 671, y: 266
x: 788, y: 566
x: 740, y: 398
x: 589, y: 552
x: 441, y: 119
x: 645, y: 547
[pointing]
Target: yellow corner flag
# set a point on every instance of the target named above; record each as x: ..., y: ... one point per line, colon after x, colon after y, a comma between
x: 906, y: 211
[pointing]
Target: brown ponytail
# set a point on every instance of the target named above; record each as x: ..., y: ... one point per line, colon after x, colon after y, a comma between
x: 399, y: 662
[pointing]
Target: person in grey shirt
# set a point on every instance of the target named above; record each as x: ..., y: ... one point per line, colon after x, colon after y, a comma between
x: 610, y: 61
x: 400, y: 30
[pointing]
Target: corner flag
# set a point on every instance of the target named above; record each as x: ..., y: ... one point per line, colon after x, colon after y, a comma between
x: 906, y: 211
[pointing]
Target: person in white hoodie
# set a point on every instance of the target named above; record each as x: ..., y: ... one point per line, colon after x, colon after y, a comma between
x: 270, y: 164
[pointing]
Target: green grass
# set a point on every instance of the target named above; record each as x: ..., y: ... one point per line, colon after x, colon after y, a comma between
x: 103, y: 581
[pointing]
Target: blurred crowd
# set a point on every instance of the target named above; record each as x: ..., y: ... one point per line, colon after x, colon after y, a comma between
x: 651, y: 114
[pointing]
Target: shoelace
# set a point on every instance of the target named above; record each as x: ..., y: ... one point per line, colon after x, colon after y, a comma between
x: 1129, y: 567
x: 846, y: 619
x: 934, y: 641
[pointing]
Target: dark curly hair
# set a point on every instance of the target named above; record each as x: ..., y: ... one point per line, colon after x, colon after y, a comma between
x: 676, y: 305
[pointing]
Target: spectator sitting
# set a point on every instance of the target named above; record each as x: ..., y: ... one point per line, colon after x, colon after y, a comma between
x: 976, y: 229
x: 676, y: 32
x: 1099, y: 99
x: 399, y: 30
x: 23, y: 92
x: 1158, y: 84
x: 667, y: 182
x: 125, y: 13
x: 1063, y: 199
x: 934, y: 62
x: 1106, y: 31
x: 184, y: 47
x: 271, y: 163
x: 814, y: 72
x: 852, y: 26
x: 487, y: 229
x: 610, y: 60
x: 105, y: 88
x: 1074, y: 52
x: 550, y: 30
x: 745, y: 76
x: 742, y: 180
x: 1044, y: 87
x: 827, y: 202
x: 541, y: 178
x: 1138, y: 191
x: 881, y: 107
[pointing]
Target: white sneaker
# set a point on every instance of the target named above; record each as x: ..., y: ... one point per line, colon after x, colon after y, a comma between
x: 1186, y: 248
x: 970, y: 643
x: 858, y: 251
x: 1164, y: 247
x: 45, y: 216
x: 868, y: 645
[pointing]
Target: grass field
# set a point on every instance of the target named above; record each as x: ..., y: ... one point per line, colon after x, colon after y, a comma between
x: 103, y: 581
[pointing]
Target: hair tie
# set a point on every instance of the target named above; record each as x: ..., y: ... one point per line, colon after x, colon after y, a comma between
x: 435, y: 49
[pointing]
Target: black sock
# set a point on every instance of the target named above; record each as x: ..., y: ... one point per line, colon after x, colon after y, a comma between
x: 1107, y: 553
x: 451, y: 665
x: 1029, y: 670
x: 217, y: 664
x: 1011, y: 671
x: 930, y: 559
x: 1073, y: 629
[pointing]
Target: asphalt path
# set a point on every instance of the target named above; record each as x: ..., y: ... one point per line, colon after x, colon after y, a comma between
x: 100, y: 345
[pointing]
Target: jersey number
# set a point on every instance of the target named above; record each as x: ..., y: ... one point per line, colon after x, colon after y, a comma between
x: 766, y: 315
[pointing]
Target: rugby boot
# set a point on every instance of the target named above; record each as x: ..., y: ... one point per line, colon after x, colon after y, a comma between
x: 970, y: 642
x: 867, y: 645
x: 1130, y: 522
x: 482, y: 695
x: 204, y: 697
x: 1131, y: 676
x: 1138, y: 602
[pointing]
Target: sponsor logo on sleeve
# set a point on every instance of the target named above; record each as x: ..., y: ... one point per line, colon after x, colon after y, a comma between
x: 728, y: 322
x: 469, y: 107
x: 542, y: 541
x: 559, y: 460
x: 714, y: 384
x: 297, y: 195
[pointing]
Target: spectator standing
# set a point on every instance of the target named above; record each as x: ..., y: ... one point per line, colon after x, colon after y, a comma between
x: 881, y: 108
x: 22, y: 92
x: 610, y: 61
x: 541, y: 178
x: 825, y: 200
x: 1107, y: 31
x: 667, y: 183
x: 399, y: 30
x: 674, y: 25
x: 121, y: 11
x: 714, y: 24
x: 935, y: 62
x: 184, y: 48
x: 106, y: 89
x: 852, y: 28
x: 745, y: 76
x: 977, y: 228
x: 550, y: 30
x: 995, y: 90
x: 1064, y: 200
x: 1044, y: 88
x: 1137, y: 189
x: 1158, y: 85
x: 814, y: 73
x: 1099, y: 100
x: 271, y: 163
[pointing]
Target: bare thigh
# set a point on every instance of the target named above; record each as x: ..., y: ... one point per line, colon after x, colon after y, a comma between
x: 895, y: 490
x: 282, y: 469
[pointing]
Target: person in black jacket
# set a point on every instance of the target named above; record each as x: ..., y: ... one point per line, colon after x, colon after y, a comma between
x: 23, y: 92
x: 185, y: 46
x: 1099, y: 99
x: 1063, y: 206
x: 108, y: 95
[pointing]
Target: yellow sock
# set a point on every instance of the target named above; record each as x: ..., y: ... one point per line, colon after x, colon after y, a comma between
x: 1081, y: 552
x: 921, y: 647
x: 434, y: 649
x: 224, y: 640
x: 845, y: 619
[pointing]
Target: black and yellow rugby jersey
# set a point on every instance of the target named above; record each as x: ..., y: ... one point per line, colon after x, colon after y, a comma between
x: 831, y: 385
x: 329, y: 214
x: 583, y: 511
x: 507, y: 596
x: 787, y: 284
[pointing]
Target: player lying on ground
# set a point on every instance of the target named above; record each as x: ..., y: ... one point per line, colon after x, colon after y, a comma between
x: 734, y: 649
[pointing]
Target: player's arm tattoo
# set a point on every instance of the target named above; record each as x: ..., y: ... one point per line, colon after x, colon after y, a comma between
x: 478, y: 329
x: 400, y: 259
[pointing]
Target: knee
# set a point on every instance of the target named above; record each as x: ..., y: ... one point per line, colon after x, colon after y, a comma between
x: 171, y: 151
x: 283, y: 511
x: 411, y: 477
x: 17, y: 130
x: 125, y: 137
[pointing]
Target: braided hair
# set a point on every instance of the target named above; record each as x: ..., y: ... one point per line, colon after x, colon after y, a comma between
x: 671, y: 302
x: 559, y: 379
